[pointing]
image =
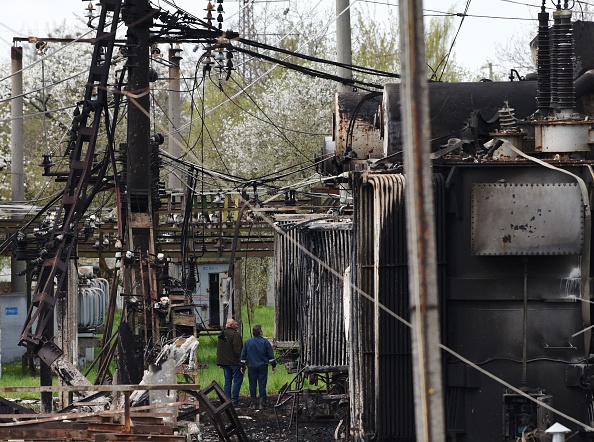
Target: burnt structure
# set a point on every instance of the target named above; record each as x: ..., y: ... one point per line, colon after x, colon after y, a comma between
x: 513, y: 179
x: 132, y: 171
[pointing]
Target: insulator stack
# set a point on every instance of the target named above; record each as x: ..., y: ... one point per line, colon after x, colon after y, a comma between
x: 544, y: 64
x: 555, y: 58
x: 565, y: 86
x: 507, y: 119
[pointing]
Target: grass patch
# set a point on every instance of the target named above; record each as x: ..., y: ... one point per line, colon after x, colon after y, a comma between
x: 207, y: 353
x: 12, y: 375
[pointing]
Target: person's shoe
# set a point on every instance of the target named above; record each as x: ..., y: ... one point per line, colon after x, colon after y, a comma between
x: 235, y: 404
x: 263, y: 402
x: 260, y: 403
x: 254, y: 404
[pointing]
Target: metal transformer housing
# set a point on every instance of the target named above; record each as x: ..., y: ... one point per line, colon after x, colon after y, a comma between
x: 486, y: 283
x: 563, y: 136
x: 313, y: 252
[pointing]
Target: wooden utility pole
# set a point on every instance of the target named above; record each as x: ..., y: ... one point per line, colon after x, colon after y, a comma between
x: 424, y: 301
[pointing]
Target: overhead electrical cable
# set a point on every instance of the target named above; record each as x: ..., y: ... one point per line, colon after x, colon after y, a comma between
x: 445, y: 60
x: 255, y: 81
x: 352, y: 67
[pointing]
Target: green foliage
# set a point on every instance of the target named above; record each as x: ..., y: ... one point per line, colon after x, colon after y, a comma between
x: 438, y: 39
x: 375, y: 45
x: 255, y: 273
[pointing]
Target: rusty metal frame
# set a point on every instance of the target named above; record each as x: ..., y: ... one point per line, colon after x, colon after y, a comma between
x: 299, y: 395
x: 218, y: 414
x: 130, y: 423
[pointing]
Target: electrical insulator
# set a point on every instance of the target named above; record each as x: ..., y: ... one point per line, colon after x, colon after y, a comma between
x: 208, y: 10
x: 507, y: 119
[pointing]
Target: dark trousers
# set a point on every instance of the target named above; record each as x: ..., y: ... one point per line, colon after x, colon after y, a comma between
x: 233, y: 381
x: 258, y: 377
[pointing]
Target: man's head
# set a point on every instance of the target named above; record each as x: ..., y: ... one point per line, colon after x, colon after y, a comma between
x: 232, y: 323
x: 257, y: 330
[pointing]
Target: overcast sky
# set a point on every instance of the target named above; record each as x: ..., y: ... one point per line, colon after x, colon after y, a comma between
x: 475, y: 45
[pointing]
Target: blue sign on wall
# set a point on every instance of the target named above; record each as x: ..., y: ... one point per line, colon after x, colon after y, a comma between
x: 11, y: 311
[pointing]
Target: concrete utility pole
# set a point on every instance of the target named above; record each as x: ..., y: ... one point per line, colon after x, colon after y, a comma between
x: 67, y: 326
x: 424, y: 301
x: 174, y: 112
x: 344, y: 52
x: 17, y: 168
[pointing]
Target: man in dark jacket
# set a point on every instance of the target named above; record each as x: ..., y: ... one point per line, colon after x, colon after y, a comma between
x: 257, y: 354
x: 229, y: 348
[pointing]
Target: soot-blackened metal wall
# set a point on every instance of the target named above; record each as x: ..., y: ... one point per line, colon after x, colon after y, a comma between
x: 287, y: 282
x: 309, y: 312
x: 381, y: 380
x: 515, y: 230
x: 329, y: 247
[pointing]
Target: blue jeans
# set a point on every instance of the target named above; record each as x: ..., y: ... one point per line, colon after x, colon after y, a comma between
x: 233, y: 375
x: 258, y: 376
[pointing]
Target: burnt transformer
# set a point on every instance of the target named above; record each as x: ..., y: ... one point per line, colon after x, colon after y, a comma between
x: 513, y: 169
x: 513, y: 180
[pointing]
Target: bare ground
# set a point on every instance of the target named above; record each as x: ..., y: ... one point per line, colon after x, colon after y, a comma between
x: 270, y: 425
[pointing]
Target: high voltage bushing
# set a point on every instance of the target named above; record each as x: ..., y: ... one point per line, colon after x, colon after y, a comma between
x: 555, y: 57
x: 544, y: 63
x: 565, y: 86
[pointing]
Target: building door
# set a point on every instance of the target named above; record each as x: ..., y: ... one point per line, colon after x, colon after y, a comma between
x: 214, y: 300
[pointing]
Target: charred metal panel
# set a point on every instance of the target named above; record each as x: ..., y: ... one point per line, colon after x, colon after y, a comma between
x: 356, y: 134
x: 286, y: 284
x: 527, y: 219
x: 362, y: 320
x: 329, y: 243
x: 484, y: 296
x: 290, y: 276
x: 460, y: 110
x: 382, y: 402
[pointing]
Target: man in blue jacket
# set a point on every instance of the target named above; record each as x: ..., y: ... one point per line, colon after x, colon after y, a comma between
x: 256, y: 355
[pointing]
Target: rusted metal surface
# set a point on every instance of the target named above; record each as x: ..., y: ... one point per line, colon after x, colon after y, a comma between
x: 150, y: 422
x: 355, y: 132
x: 221, y: 413
x: 563, y: 136
x: 525, y: 219
x: 77, y: 195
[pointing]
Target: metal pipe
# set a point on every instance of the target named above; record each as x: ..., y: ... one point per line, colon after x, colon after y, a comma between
x: 344, y: 52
